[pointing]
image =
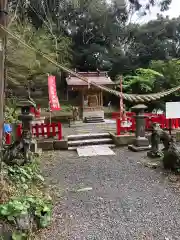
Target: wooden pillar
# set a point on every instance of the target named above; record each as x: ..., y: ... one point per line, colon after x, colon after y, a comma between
x: 67, y: 95
x: 82, y: 99
x: 101, y: 98
x: 82, y: 103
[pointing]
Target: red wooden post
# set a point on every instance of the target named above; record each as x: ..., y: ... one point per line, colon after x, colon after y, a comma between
x: 118, y: 126
x: 33, y: 130
x: 48, y: 130
x: 133, y: 123
x: 8, y: 138
x: 167, y: 123
x: 37, y: 130
x: 32, y: 110
x: 53, y: 125
x: 42, y: 129
x: 179, y: 122
x: 162, y: 120
x: 59, y: 131
x: 38, y: 111
x: 147, y: 125
x: 176, y: 123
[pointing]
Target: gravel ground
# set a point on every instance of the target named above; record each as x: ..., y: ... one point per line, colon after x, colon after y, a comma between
x: 127, y: 200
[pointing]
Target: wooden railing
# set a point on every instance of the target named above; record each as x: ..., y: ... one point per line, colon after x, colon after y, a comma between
x: 156, y: 118
x: 53, y: 130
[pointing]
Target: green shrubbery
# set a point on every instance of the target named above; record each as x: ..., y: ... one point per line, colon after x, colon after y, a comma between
x: 27, y: 207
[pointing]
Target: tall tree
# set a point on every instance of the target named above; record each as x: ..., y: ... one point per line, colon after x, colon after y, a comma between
x: 100, y: 35
x: 24, y: 64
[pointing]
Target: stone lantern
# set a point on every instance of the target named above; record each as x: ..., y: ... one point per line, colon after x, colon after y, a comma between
x: 26, y: 117
x: 20, y: 151
x: 141, y: 143
x: 29, y: 144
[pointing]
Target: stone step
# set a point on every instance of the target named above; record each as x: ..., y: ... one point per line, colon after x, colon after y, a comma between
x: 94, y: 119
x: 106, y: 145
x: 93, y: 141
x: 88, y: 136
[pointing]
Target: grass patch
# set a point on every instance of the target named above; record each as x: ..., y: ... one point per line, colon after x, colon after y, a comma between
x: 25, y: 202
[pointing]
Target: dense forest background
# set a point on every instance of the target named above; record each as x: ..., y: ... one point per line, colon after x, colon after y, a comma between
x: 94, y: 34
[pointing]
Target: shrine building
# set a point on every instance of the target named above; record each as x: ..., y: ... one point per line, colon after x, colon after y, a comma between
x: 90, y: 98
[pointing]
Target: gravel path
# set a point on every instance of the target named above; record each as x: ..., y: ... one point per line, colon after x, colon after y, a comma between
x: 127, y: 200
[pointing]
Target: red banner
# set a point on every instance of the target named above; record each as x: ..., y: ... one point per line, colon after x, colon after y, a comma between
x: 53, y: 98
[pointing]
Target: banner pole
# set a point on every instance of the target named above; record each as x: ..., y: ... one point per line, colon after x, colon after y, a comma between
x: 121, y: 99
x: 50, y: 113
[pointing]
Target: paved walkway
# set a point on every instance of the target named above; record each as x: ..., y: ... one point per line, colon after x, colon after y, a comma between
x: 128, y: 201
x: 83, y: 128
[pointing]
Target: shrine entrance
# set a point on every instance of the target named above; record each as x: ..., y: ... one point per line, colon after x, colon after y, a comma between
x: 92, y: 103
x: 90, y: 98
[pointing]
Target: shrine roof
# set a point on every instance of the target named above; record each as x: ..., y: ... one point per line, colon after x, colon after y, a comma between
x: 100, y: 78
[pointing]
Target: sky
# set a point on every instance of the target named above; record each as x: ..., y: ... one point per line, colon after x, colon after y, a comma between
x: 174, y: 11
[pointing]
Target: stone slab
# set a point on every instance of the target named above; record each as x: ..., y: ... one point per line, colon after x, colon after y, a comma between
x: 60, y: 144
x: 123, y: 140
x: 138, y: 149
x: 89, y: 141
x: 78, y: 136
x: 90, y: 151
x: 46, y: 145
x: 108, y: 145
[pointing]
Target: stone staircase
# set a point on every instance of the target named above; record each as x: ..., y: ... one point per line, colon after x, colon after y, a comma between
x: 75, y: 141
x: 93, y: 119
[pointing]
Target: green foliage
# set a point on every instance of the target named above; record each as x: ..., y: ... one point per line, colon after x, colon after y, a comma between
x: 156, y: 40
x: 170, y: 70
x: 28, y: 199
x: 160, y: 75
x: 41, y: 209
x: 11, y: 114
x: 19, y: 236
x: 25, y: 175
x: 66, y: 107
x: 24, y: 64
x: 14, y: 209
x: 96, y: 34
x: 142, y: 82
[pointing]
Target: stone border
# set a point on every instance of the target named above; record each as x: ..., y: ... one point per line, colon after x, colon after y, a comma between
x: 50, y: 144
x: 122, y: 140
x: 128, y: 139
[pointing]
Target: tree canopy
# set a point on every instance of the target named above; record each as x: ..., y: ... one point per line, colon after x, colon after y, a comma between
x: 96, y: 34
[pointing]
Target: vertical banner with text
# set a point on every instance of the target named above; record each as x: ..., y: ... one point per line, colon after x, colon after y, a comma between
x: 53, y: 98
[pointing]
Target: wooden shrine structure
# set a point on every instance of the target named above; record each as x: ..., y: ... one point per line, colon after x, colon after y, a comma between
x: 90, y: 98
